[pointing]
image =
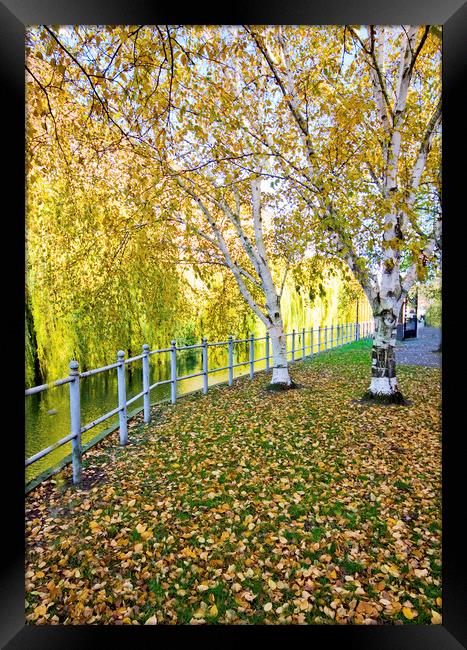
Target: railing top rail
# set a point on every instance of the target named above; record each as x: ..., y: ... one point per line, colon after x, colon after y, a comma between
x: 42, y: 387
x: 162, y: 350
x: 88, y: 373
x: 138, y: 356
x: 96, y: 371
x: 190, y: 347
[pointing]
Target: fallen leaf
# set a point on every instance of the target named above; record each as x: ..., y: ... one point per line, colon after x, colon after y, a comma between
x: 436, y: 618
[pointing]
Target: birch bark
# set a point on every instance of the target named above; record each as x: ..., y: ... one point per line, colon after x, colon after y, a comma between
x: 269, y: 312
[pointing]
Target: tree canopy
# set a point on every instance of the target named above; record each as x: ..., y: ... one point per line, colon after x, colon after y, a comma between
x: 243, y: 149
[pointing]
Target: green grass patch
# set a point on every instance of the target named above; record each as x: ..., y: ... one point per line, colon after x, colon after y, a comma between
x: 231, y: 493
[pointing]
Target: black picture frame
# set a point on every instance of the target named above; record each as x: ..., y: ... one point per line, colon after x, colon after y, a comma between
x: 452, y: 15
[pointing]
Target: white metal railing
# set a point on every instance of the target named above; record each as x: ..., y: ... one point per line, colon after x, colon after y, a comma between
x: 319, y: 339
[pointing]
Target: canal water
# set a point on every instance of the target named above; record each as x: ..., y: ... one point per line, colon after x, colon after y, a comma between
x: 47, y: 414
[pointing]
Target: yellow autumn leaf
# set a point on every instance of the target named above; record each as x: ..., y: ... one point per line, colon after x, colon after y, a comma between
x: 394, y: 570
x: 408, y: 613
x: 436, y: 618
x: 138, y: 548
x: 213, y: 611
x: 141, y: 528
x: 146, y: 534
x: 40, y: 610
x: 267, y: 607
x: 199, y: 613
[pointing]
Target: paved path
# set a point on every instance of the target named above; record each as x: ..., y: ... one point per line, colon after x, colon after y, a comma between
x: 420, y: 351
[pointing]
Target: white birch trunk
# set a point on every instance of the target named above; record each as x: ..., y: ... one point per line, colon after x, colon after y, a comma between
x: 383, y: 358
x: 280, y: 369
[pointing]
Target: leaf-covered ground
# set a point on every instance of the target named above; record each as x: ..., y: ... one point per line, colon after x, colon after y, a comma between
x: 245, y: 506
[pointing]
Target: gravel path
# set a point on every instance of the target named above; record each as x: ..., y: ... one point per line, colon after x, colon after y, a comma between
x: 421, y: 350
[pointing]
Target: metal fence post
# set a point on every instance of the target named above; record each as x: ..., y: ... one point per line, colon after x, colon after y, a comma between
x: 303, y: 343
x: 332, y: 336
x: 230, y: 364
x: 173, y: 371
x: 122, y: 397
x: 252, y: 355
x: 357, y: 331
x: 293, y: 345
x: 267, y: 351
x: 311, y: 342
x: 205, y: 365
x: 146, y: 397
x: 319, y: 339
x: 75, y: 422
x: 325, y: 338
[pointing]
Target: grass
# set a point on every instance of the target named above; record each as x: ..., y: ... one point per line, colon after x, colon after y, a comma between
x: 302, y: 506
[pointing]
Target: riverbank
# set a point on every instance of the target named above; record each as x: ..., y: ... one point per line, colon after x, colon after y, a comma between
x: 245, y: 506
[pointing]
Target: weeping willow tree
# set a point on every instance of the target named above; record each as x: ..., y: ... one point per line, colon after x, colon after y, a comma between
x: 88, y: 293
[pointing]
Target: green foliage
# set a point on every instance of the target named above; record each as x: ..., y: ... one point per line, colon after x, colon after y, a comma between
x: 433, y: 315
